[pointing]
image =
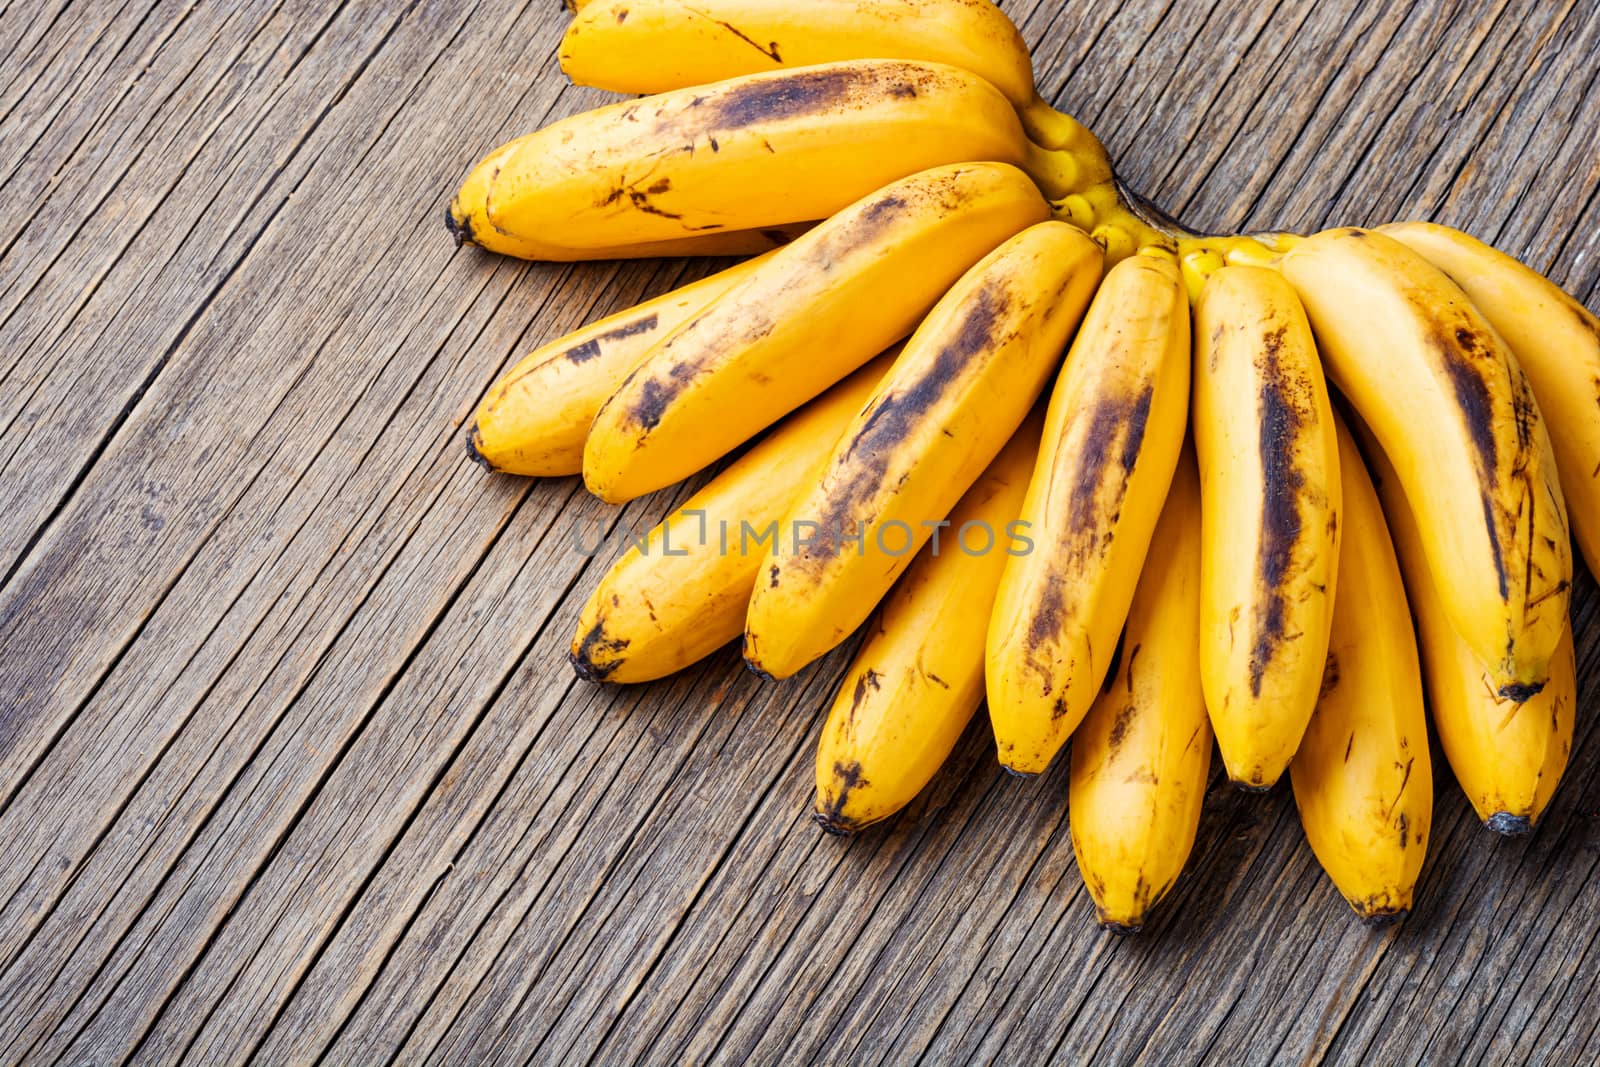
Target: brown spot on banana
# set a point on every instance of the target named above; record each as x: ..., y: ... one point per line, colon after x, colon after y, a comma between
x: 868, y: 680
x: 1461, y: 354
x: 1114, y: 435
x: 1286, y: 411
x: 830, y: 812
x: 594, y: 657
x: 1119, y: 730
x: 805, y: 93
x: 769, y: 50
x: 871, y: 452
x: 1330, y: 675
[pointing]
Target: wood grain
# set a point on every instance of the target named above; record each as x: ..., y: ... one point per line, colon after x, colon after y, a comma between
x: 291, y: 767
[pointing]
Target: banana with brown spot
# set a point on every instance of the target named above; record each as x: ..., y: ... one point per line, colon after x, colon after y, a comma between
x: 752, y: 153
x: 1557, y: 342
x: 1142, y: 756
x: 1112, y: 435
x: 1362, y: 779
x: 681, y: 593
x: 1453, y: 411
x: 1508, y: 757
x: 533, y: 421
x: 918, y: 676
x: 812, y: 313
x: 651, y: 46
x: 960, y: 389
x: 1269, y: 480
x: 468, y: 222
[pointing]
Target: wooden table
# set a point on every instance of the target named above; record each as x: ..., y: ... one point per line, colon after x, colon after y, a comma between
x: 291, y: 764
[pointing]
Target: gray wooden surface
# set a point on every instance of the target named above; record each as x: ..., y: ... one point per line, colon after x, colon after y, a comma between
x: 291, y: 766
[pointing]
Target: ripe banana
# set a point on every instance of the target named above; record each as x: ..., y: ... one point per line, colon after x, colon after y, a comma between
x: 918, y: 677
x: 1453, y: 411
x: 958, y: 392
x: 469, y: 224
x: 1142, y: 756
x: 534, y: 420
x: 1112, y: 435
x: 1556, y: 341
x: 789, y: 146
x: 680, y: 594
x: 651, y: 46
x: 1507, y: 756
x: 1269, y: 479
x: 1362, y: 778
x: 812, y: 313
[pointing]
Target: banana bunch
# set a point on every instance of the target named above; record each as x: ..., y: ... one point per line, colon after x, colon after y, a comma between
x: 1044, y: 448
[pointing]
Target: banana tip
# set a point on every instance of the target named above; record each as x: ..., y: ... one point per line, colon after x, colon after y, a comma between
x: 1111, y: 926
x: 1382, y: 917
x: 1503, y: 822
x: 586, y: 670
x: 1253, y: 788
x: 834, y: 824
x: 460, y: 228
x: 1520, y: 692
x: 755, y: 669
x: 474, y: 451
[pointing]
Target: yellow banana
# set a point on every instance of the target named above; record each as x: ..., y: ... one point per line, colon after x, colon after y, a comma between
x: 1557, y: 342
x: 1454, y: 413
x: 1362, y: 778
x: 650, y: 46
x: 1269, y: 478
x: 919, y: 674
x: 958, y: 392
x: 1112, y: 435
x: 681, y: 594
x: 765, y: 150
x: 816, y: 310
x: 1201, y: 257
x: 1142, y: 756
x: 534, y: 420
x: 1507, y: 756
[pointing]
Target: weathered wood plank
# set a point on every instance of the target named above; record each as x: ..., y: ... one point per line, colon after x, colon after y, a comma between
x: 294, y: 768
x: 448, y: 403
x: 95, y: 209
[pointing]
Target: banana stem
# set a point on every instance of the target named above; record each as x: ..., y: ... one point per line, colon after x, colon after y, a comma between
x: 1056, y: 130
x: 1123, y: 221
x: 1201, y: 256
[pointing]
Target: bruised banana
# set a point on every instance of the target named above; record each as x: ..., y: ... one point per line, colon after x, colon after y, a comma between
x: 1269, y: 479
x: 958, y: 392
x: 651, y: 46
x: 918, y: 677
x: 809, y: 315
x: 1112, y: 435
x: 762, y: 151
x: 1507, y: 756
x: 681, y: 593
x: 1362, y: 778
x: 1142, y: 756
x: 1556, y: 340
x: 533, y: 421
x: 1454, y: 413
